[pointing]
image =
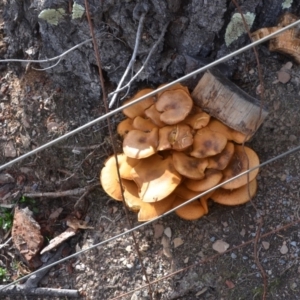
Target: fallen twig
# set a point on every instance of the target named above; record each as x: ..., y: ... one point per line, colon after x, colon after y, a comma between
x: 30, y: 287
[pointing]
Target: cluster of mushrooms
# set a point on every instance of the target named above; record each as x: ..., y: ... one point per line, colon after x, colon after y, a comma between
x: 173, y: 151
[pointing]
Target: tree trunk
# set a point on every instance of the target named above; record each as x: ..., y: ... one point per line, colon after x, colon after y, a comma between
x: 198, y: 32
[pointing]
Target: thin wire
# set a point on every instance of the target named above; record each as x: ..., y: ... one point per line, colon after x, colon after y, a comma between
x: 113, y: 112
x: 159, y: 217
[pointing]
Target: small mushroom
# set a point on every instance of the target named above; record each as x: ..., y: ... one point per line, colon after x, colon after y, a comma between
x: 174, y: 106
x: 237, y: 196
x: 211, y: 178
x: 155, y: 177
x: 231, y: 134
x: 242, y: 160
x: 109, y: 179
x: 189, y: 167
x: 178, y: 137
x: 124, y: 127
x: 191, y: 211
x: 154, y: 115
x: 197, y: 120
x: 139, y: 144
x: 139, y: 108
x: 221, y: 160
x: 150, y: 211
x: 208, y: 143
x: 143, y: 124
x: 176, y: 86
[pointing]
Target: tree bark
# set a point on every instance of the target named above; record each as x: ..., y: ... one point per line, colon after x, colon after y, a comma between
x: 195, y: 35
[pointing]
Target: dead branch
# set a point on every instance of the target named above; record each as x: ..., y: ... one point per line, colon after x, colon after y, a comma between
x: 133, y: 57
x: 75, y: 192
x: 143, y: 66
x: 30, y: 287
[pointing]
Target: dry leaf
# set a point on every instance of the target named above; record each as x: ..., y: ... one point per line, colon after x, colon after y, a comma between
x: 27, y: 237
x: 230, y: 284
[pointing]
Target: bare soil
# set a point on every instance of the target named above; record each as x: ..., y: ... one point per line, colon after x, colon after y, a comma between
x: 34, y: 111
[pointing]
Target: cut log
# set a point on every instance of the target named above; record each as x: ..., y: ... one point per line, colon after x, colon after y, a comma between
x: 225, y: 101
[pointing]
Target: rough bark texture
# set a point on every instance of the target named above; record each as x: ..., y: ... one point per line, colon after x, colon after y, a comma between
x: 194, y: 36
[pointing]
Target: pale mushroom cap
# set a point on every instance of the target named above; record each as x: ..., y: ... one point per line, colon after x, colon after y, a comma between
x: 212, y: 178
x: 221, y: 160
x: 189, y: 167
x: 154, y: 115
x: 109, y: 178
x: 139, y: 144
x: 143, y: 124
x: 156, y: 178
x: 238, y: 164
x: 191, y: 211
x: 208, y: 143
x: 124, y: 127
x: 231, y: 134
x: 150, y: 211
x: 139, y: 108
x: 175, y: 105
x: 236, y: 196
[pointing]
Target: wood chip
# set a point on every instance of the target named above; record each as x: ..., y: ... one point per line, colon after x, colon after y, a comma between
x: 229, y: 284
x: 166, y: 247
x: 220, y: 246
x: 177, y: 242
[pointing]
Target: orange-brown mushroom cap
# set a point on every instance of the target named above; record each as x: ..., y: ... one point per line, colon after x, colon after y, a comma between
x: 208, y: 143
x: 124, y: 127
x: 231, y: 134
x: 143, y: 124
x: 191, y: 211
x: 125, y: 166
x: 221, y: 160
x: 189, y: 167
x: 155, y: 177
x: 176, y: 86
x: 212, y: 177
x: 236, y: 196
x: 139, y: 144
x: 109, y: 178
x: 154, y: 115
x: 238, y: 164
x: 174, y: 106
x: 197, y: 120
x: 178, y: 137
x: 139, y: 108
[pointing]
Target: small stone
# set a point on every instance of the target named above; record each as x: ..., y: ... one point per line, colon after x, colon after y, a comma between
x: 177, y: 242
x: 283, y: 76
x: 292, y: 138
x: 284, y: 249
x: 128, y: 248
x: 243, y: 232
x: 168, y: 232
x: 186, y: 260
x: 10, y: 150
x: 266, y: 245
x: 158, y: 230
x: 233, y: 256
x: 220, y: 246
